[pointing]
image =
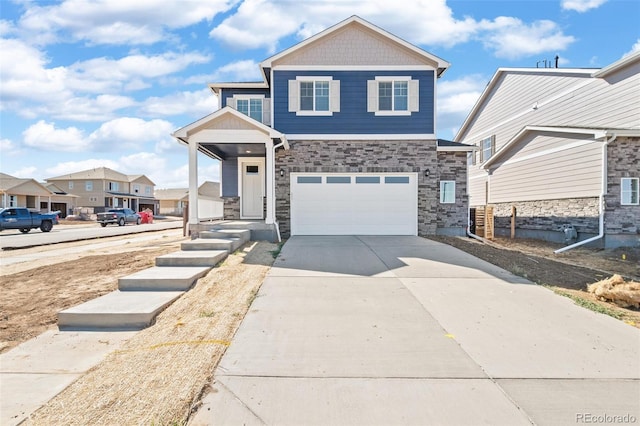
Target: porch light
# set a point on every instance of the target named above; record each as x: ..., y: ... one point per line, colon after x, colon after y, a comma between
x: 426, y: 173
x: 281, y: 172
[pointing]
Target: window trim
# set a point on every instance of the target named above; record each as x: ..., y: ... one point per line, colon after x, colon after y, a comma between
x: 444, y: 192
x: 294, y: 95
x: 630, y: 193
x: 373, y: 95
x: 492, y: 141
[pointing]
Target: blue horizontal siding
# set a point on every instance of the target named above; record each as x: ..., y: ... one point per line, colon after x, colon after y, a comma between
x: 228, y: 93
x: 229, y: 174
x: 353, y: 117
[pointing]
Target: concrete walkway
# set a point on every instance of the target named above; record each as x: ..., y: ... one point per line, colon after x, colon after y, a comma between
x: 407, y: 331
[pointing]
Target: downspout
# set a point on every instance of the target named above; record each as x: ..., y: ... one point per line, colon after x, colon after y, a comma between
x: 603, y: 192
x: 275, y: 222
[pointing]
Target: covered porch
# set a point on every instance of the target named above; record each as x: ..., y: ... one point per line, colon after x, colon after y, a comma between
x: 246, y: 151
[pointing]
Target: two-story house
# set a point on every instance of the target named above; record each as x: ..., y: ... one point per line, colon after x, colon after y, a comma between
x: 102, y: 187
x: 561, y: 146
x: 338, y: 138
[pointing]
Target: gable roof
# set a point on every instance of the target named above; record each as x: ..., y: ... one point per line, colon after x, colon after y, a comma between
x: 99, y: 173
x: 22, y: 186
x: 355, y: 20
x: 171, y: 193
x: 587, y: 74
x: 440, y: 64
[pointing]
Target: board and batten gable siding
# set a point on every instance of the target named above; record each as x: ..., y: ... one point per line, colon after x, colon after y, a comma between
x: 548, y: 167
x: 353, y: 117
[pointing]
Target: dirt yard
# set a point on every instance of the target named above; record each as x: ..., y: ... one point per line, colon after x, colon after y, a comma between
x: 34, y: 292
x: 567, y: 273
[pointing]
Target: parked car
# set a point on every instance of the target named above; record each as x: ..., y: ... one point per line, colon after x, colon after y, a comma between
x: 119, y: 216
x: 25, y: 220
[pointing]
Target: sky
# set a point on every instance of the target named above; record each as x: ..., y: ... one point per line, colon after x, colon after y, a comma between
x: 91, y: 83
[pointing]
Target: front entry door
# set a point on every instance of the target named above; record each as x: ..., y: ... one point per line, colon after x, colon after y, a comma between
x: 251, y: 198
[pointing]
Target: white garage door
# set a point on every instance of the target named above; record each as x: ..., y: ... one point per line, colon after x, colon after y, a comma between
x: 354, y: 204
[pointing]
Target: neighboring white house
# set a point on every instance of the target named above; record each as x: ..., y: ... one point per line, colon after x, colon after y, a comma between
x: 563, y: 147
x: 174, y: 200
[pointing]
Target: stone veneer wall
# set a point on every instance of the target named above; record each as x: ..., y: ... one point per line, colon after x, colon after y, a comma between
x: 452, y: 218
x: 549, y: 215
x: 365, y: 157
x: 231, y: 209
x: 623, y: 160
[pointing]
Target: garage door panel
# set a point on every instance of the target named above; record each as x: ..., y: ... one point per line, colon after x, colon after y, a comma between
x: 359, y: 203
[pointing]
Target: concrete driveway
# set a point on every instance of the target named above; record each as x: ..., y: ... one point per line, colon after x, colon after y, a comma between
x: 408, y: 331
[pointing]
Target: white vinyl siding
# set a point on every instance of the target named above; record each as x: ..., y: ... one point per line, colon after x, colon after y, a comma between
x: 393, y: 96
x: 310, y: 95
x: 629, y: 191
x: 447, y: 192
x: 548, y: 168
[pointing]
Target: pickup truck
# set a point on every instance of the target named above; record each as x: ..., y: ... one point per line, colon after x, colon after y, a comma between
x: 25, y: 220
x: 119, y: 216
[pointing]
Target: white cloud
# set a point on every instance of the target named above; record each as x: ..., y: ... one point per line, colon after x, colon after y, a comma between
x: 28, y: 172
x: 196, y: 104
x: 635, y: 48
x: 246, y: 70
x: 511, y: 38
x: 456, y: 98
x: 581, y: 5
x: 136, y: 22
x: 262, y: 23
x: 8, y: 147
x: 45, y: 136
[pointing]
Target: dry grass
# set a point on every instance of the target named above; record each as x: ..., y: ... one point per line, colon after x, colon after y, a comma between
x: 159, y: 375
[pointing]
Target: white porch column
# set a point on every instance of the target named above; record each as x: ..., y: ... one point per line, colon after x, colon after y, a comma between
x: 270, y: 183
x: 193, y: 183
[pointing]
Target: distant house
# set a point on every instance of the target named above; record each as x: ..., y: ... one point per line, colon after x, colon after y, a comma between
x: 102, y: 188
x: 172, y: 201
x: 61, y: 200
x: 19, y: 192
x: 339, y: 137
x: 562, y: 146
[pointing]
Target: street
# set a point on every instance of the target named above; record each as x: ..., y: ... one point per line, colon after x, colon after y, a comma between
x: 13, y: 239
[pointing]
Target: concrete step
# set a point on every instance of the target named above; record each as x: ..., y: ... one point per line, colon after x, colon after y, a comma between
x: 118, y: 310
x: 192, y: 258
x: 163, y: 278
x: 229, y: 244
x: 243, y: 234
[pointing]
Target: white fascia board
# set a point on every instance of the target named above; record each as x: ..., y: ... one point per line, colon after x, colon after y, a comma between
x: 353, y: 68
x: 362, y: 137
x: 457, y: 148
x: 440, y: 63
x: 594, y: 133
x: 215, y: 87
x: 635, y: 56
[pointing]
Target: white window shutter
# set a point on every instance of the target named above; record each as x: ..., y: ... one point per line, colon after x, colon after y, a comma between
x: 294, y: 97
x: 231, y: 102
x: 334, y: 92
x: 266, y: 111
x: 414, y: 98
x: 372, y: 96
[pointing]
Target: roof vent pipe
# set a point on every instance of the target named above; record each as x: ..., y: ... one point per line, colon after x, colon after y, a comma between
x: 557, y: 57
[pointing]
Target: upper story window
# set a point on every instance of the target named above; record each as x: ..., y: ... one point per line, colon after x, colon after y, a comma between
x: 147, y: 190
x: 70, y: 184
x: 487, y: 148
x: 88, y: 185
x: 629, y: 191
x: 114, y: 186
x: 251, y: 107
x: 314, y: 95
x: 393, y: 96
x: 255, y: 106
